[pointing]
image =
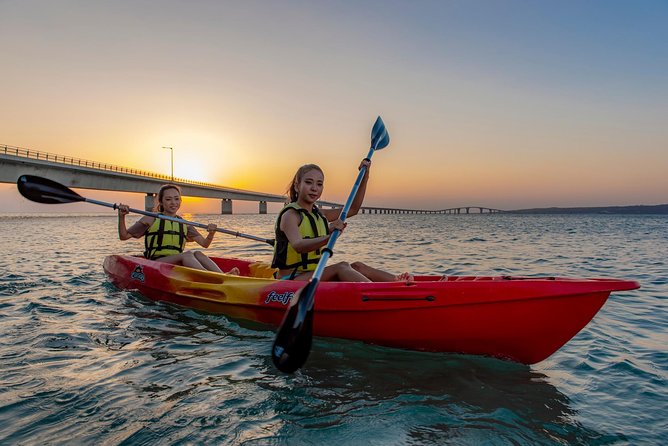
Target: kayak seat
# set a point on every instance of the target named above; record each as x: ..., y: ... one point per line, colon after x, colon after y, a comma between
x: 262, y: 270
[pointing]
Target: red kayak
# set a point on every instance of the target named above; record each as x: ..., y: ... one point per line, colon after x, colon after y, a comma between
x: 523, y: 319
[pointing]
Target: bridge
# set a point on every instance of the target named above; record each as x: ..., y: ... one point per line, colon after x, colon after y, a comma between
x: 455, y: 210
x: 85, y: 174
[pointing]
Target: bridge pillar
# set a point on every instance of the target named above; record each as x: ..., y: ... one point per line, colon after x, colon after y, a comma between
x: 263, y: 207
x: 149, y: 202
x: 226, y: 206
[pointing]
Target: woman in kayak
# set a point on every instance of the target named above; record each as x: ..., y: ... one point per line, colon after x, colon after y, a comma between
x: 165, y: 240
x: 302, y: 229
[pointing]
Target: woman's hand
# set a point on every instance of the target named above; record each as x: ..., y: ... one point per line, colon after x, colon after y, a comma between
x: 123, y: 233
x: 365, y: 162
x: 337, y: 224
x: 206, y: 242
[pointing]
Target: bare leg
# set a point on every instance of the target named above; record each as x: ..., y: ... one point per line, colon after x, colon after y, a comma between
x: 172, y: 260
x: 344, y: 272
x: 339, y: 272
x: 377, y: 275
x: 188, y: 259
x: 206, y: 263
x: 192, y: 259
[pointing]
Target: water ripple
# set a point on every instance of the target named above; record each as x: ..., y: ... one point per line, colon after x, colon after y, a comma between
x: 83, y: 362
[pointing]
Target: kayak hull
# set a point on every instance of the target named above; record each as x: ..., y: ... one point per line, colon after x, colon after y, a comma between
x: 516, y: 318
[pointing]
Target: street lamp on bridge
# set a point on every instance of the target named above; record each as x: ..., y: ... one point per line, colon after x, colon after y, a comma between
x: 172, y: 150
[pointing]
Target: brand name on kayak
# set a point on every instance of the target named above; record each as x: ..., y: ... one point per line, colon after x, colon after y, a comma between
x: 283, y: 298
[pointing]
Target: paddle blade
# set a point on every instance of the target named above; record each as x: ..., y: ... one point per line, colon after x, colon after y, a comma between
x: 292, y: 344
x: 42, y: 190
x: 379, y: 136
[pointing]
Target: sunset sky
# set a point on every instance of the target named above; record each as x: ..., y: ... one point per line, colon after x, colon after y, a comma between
x: 503, y: 104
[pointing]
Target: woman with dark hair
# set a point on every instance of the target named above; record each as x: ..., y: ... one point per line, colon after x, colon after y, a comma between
x: 165, y: 240
x: 302, y: 229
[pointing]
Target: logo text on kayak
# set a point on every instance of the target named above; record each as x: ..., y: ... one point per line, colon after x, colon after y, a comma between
x: 283, y: 298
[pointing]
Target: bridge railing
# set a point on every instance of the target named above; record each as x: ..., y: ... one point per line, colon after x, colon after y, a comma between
x: 39, y: 155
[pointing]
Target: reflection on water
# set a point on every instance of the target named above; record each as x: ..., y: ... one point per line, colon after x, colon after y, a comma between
x: 351, y: 392
x: 423, y: 398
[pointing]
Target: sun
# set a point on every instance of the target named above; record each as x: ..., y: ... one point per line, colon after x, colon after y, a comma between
x: 200, y: 160
x: 194, y: 169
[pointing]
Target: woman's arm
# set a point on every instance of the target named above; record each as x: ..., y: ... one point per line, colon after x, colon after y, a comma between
x: 333, y: 214
x: 137, y: 230
x: 194, y: 235
x: 359, y: 196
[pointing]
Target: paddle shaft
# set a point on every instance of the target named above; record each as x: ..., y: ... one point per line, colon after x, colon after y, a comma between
x: 292, y: 344
x: 327, y: 251
x: 180, y: 220
x: 43, y: 190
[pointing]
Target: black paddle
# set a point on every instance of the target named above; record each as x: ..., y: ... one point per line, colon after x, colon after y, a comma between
x: 292, y: 344
x: 43, y: 190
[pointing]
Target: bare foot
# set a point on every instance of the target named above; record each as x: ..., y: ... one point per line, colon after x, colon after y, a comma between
x: 405, y: 277
x: 234, y: 271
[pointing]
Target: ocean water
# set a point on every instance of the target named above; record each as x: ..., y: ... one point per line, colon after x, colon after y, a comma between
x: 82, y: 362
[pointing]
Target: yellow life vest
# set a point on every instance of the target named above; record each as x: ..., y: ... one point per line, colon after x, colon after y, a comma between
x: 312, y: 225
x: 164, y: 238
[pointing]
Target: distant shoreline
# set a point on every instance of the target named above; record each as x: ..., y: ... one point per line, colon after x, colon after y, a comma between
x: 659, y: 209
